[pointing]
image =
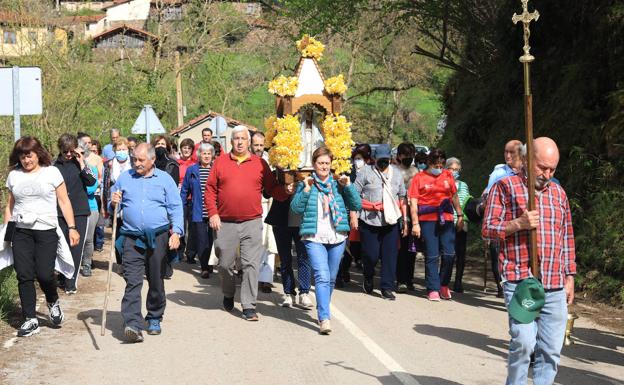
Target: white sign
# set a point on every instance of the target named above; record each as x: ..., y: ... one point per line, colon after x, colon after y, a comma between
x: 29, y: 91
x: 218, y: 125
x: 148, y: 123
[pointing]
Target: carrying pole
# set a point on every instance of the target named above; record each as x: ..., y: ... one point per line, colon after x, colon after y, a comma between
x: 110, y: 269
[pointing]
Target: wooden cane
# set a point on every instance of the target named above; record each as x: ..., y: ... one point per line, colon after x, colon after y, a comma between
x: 110, y: 269
x: 486, y: 252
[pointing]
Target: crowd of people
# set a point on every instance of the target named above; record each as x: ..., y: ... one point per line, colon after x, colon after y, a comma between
x: 197, y: 204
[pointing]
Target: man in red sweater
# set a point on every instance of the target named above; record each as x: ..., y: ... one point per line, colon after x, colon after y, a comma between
x: 233, y: 200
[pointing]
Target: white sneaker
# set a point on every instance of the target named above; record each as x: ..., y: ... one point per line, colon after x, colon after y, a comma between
x: 56, y: 314
x: 287, y: 300
x: 28, y: 328
x: 305, y: 301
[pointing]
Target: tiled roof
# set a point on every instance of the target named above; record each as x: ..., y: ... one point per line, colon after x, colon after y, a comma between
x: 210, y: 114
x: 123, y: 28
x: 70, y: 20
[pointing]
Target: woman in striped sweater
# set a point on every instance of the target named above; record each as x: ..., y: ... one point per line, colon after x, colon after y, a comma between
x: 454, y: 166
x: 194, y: 183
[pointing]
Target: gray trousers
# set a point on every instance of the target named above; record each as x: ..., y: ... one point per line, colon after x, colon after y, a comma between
x: 248, y: 236
x: 136, y: 263
x: 87, y: 252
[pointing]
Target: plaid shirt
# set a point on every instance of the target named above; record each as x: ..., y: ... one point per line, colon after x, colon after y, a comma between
x: 555, y: 238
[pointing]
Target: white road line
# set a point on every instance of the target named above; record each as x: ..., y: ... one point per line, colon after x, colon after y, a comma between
x: 391, y: 365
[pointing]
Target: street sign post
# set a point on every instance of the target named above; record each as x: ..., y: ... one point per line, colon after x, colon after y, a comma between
x: 148, y: 123
x: 20, y: 94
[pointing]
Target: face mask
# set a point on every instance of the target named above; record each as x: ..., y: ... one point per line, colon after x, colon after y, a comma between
x: 422, y: 166
x: 359, y: 163
x: 383, y: 164
x: 121, y: 156
x: 435, y: 171
x: 406, y: 162
x: 161, y: 152
x: 456, y: 174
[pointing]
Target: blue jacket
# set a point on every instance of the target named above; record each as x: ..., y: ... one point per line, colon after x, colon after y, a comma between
x: 191, y: 185
x: 306, y: 203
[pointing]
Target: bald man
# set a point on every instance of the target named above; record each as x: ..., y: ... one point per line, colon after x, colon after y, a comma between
x: 508, y: 221
x: 512, y: 166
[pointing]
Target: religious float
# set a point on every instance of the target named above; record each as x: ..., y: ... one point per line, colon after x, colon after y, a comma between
x: 303, y: 103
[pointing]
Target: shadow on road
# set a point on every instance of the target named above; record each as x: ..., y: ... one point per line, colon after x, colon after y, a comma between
x: 396, y: 378
x: 593, y: 345
x: 464, y: 337
x: 114, y: 324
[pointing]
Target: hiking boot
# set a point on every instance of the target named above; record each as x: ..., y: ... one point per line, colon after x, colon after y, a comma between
x: 402, y: 288
x: 305, y: 301
x: 205, y: 274
x: 445, y: 293
x: 433, y: 296
x: 387, y: 295
x: 153, y: 327
x: 368, y: 285
x: 86, y: 271
x: 287, y: 300
x: 250, y: 315
x: 133, y: 335
x: 28, y: 328
x: 228, y: 303
x: 325, y: 327
x: 56, y: 314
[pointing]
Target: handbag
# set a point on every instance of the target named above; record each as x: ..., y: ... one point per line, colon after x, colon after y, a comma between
x: 391, y: 209
x: 9, y: 231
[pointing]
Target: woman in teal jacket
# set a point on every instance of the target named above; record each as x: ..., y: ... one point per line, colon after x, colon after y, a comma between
x: 323, y: 202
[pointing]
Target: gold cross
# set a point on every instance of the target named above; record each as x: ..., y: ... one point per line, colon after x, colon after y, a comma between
x: 526, y: 17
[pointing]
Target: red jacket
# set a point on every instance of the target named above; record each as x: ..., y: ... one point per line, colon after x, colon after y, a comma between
x: 183, y: 165
x: 234, y: 191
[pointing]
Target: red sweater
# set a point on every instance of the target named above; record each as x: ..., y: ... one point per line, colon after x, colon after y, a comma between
x: 234, y: 191
x: 183, y: 165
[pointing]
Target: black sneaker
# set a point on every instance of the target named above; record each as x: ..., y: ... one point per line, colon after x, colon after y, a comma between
x: 339, y: 283
x: 458, y: 288
x: 133, y: 335
x: 56, y: 314
x: 368, y: 285
x: 250, y: 315
x: 228, y: 303
x: 387, y: 295
x: 28, y: 328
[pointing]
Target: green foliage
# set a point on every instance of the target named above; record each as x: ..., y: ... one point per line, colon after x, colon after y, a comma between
x: 8, y: 292
x: 578, y: 101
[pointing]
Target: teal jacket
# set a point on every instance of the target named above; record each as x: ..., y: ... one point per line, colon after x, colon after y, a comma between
x: 306, y: 204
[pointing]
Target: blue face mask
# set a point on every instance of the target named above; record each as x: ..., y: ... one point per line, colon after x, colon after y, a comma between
x: 435, y: 171
x: 121, y: 156
x: 422, y: 166
x: 456, y: 174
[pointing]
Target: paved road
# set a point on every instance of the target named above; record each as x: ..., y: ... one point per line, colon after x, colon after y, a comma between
x: 409, y: 341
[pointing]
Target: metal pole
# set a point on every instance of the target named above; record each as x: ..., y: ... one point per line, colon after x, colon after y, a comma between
x: 17, y: 125
x: 147, y: 129
x: 178, y: 82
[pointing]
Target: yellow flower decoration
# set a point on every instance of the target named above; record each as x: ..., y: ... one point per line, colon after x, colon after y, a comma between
x: 310, y: 47
x: 336, y: 85
x: 286, y: 143
x: 284, y: 86
x: 269, y: 125
x: 337, y: 132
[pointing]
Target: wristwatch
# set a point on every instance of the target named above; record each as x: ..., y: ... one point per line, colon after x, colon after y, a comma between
x: 72, y: 227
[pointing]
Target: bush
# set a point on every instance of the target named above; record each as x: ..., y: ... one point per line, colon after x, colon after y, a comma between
x: 8, y: 292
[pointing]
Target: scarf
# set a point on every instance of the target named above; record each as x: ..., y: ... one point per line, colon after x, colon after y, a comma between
x: 330, y: 206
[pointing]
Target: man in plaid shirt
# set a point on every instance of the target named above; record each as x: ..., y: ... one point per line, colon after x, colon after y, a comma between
x: 507, y: 220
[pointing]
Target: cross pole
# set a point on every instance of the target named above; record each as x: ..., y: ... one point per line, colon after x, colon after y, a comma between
x: 526, y: 17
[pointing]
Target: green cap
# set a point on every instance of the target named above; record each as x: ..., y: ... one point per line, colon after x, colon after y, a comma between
x: 527, y: 301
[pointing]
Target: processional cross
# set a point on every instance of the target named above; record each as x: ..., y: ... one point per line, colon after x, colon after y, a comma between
x: 526, y: 17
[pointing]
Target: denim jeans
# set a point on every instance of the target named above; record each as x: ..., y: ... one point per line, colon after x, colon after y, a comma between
x: 380, y: 242
x: 98, y: 238
x: 284, y: 237
x: 439, y: 241
x: 325, y: 261
x: 545, y: 335
x: 202, y: 242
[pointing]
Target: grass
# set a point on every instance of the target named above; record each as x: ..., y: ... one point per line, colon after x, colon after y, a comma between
x: 8, y: 292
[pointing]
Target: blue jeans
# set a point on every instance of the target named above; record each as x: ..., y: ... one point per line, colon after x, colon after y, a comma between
x: 380, y: 242
x: 284, y: 237
x: 439, y: 241
x: 545, y: 335
x: 98, y: 239
x: 203, y: 239
x: 325, y: 261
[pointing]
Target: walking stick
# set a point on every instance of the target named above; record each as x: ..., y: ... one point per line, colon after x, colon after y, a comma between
x: 526, y: 17
x: 485, y: 264
x: 110, y: 269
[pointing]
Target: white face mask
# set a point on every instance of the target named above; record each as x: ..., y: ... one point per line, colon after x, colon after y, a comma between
x: 359, y: 163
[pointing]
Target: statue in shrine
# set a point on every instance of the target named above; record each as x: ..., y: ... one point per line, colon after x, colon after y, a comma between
x: 311, y: 136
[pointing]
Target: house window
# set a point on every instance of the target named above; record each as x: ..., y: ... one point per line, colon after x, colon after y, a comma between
x: 251, y: 9
x: 172, y: 13
x: 9, y: 37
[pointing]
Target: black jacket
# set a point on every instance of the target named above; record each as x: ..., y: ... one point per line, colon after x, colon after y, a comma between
x: 76, y: 181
